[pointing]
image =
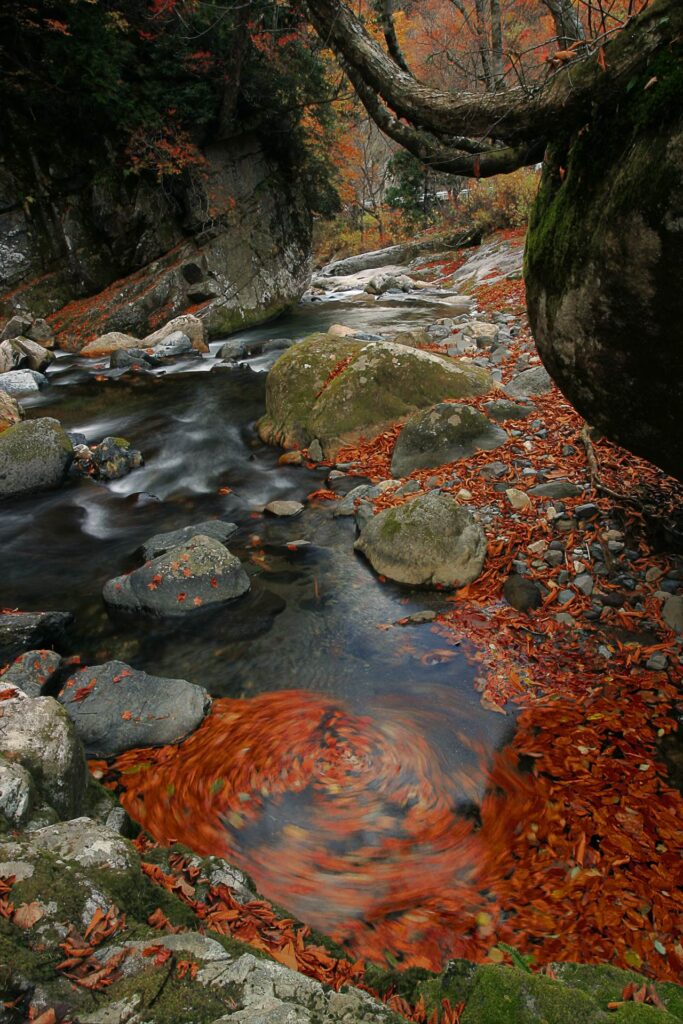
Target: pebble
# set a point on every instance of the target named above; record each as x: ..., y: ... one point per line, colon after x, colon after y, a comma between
x: 657, y: 662
x: 565, y: 619
x: 538, y: 547
x: 284, y: 508
x: 565, y: 596
x: 584, y: 583
x: 553, y: 557
x: 586, y: 511
x: 464, y: 495
x: 518, y: 499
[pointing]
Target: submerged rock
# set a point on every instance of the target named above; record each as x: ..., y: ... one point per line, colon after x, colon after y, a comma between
x: 335, y: 389
x: 199, y: 573
x: 442, y: 434
x: 114, y: 708
x: 161, y: 542
x: 429, y: 541
x: 34, y: 456
x: 37, y: 733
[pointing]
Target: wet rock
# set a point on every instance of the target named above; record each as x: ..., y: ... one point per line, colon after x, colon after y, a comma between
x: 557, y: 489
x: 519, y: 500
x: 173, y: 345
x: 162, y: 542
x: 442, y: 434
x: 105, y: 344
x: 522, y: 593
x: 109, y: 460
x: 284, y: 508
x: 672, y: 613
x: 381, y: 283
x: 34, y: 456
x: 188, y: 324
x: 17, y: 794
x: 22, y: 382
x: 349, y: 503
x: 32, y: 672
x: 535, y: 381
x: 327, y: 388
x: 114, y: 708
x: 199, y: 573
x: 429, y: 541
x: 232, y: 350
x: 31, y: 355
x: 20, y: 631
x: 124, y: 358
x: 10, y: 411
x: 38, y: 734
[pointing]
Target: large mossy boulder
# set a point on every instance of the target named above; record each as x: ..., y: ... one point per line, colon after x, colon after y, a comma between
x: 337, y: 389
x: 604, y: 260
x: 431, y: 541
x: 34, y: 456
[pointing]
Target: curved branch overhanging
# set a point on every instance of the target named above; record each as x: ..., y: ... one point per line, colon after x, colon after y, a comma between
x: 515, y: 117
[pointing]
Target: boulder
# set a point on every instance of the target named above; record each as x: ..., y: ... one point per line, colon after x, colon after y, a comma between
x: 124, y: 358
x: 162, y: 542
x: 335, y: 389
x: 188, y: 324
x: 34, y: 456
x: 38, y: 734
x: 414, y: 339
x: 87, y: 843
x: 17, y: 794
x: 604, y: 257
x: 430, y: 541
x: 10, y: 411
x: 114, y: 708
x: 535, y: 381
x: 17, y: 325
x: 381, y: 283
x: 113, y: 341
x: 442, y: 434
x: 173, y: 345
x: 500, y: 409
x: 484, y: 335
x: 32, y: 671
x: 20, y: 631
x: 232, y: 350
x: 31, y: 354
x: 200, y: 573
x: 22, y: 382
x: 7, y: 357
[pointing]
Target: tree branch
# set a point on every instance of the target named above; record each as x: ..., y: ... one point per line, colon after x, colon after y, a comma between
x: 391, y: 39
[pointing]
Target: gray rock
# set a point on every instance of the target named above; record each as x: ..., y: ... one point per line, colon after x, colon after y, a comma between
x: 584, y: 583
x: 284, y: 508
x: 22, y: 382
x: 88, y: 843
x: 106, y: 344
x: 523, y: 594
x: 188, y: 324
x: 162, y: 542
x: 232, y: 350
x: 672, y: 613
x: 38, y: 734
x: 535, y: 381
x: 429, y: 541
x: 442, y: 434
x: 17, y: 325
x: 657, y: 662
x: 17, y: 794
x: 41, y: 332
x: 34, y: 456
x: 172, y: 345
x: 315, y: 451
x: 484, y: 334
x: 123, y: 358
x: 115, y: 707
x: 196, y: 574
x: 112, y: 459
x: 32, y: 672
x: 32, y: 355
x: 556, y: 489
x: 22, y: 630
x: 565, y: 596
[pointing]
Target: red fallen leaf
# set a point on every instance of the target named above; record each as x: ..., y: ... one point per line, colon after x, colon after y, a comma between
x: 26, y: 914
x: 214, y: 582
x: 322, y: 494
x: 8, y: 693
x: 126, y: 715
x: 158, y: 920
x: 46, y: 1017
x: 186, y: 967
x: 181, y: 596
x: 84, y: 691
x: 160, y: 953
x: 197, y: 602
x: 225, y: 490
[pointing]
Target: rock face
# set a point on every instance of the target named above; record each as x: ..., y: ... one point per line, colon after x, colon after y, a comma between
x: 603, y: 265
x: 442, y: 434
x: 146, y: 255
x: 199, y: 573
x: 114, y: 708
x: 34, y: 456
x: 430, y: 541
x: 334, y: 389
x: 37, y: 733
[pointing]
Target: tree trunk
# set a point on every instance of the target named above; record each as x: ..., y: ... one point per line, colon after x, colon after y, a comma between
x: 568, y: 25
x: 497, y: 64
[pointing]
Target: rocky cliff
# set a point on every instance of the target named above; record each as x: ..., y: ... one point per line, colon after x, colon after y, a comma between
x: 114, y: 252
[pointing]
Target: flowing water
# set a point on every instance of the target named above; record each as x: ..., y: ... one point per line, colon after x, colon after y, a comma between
x: 312, y: 622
